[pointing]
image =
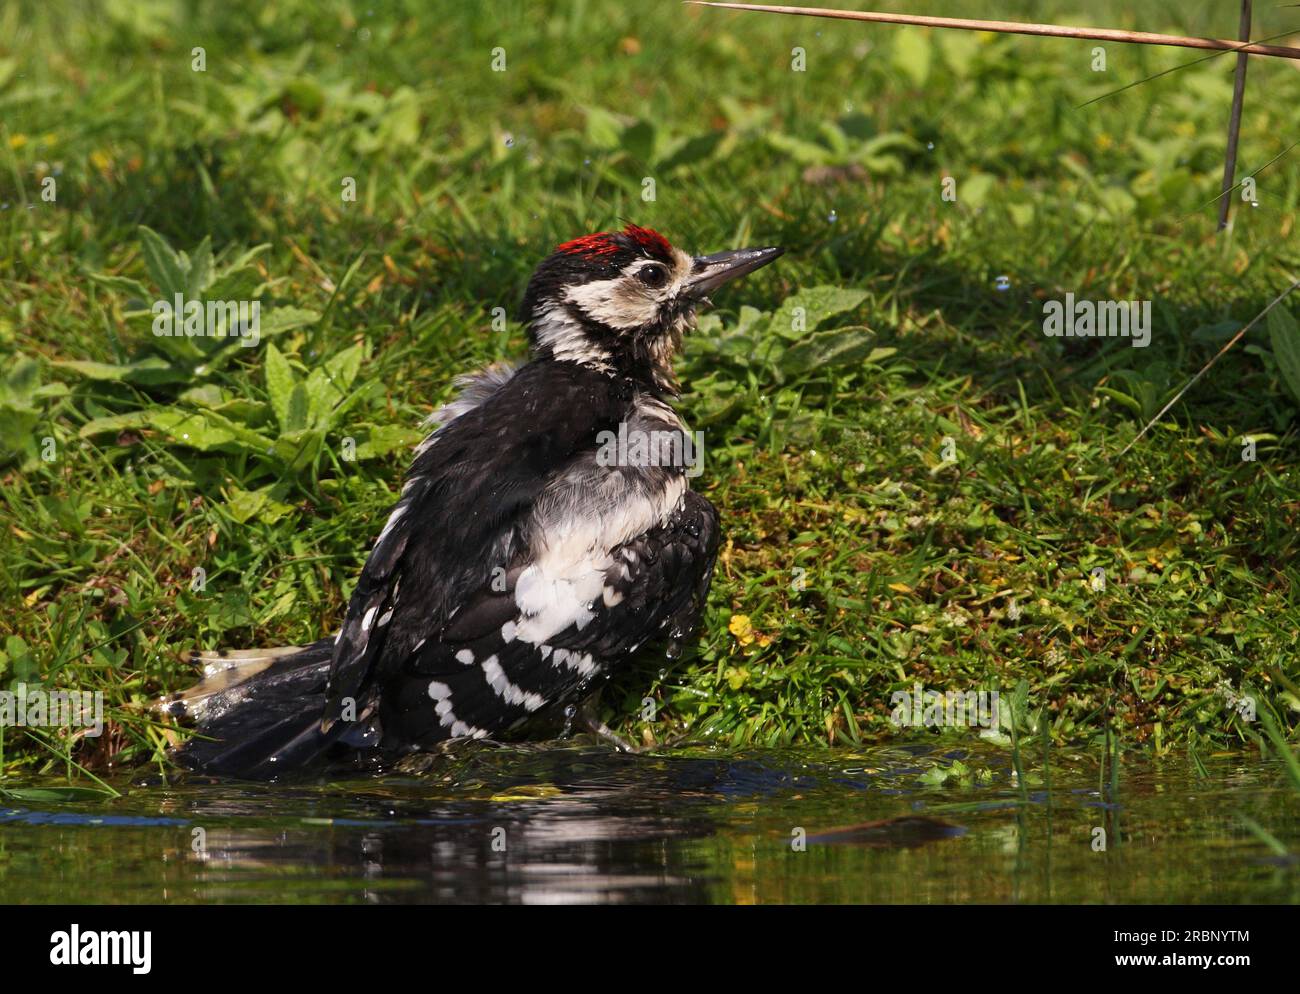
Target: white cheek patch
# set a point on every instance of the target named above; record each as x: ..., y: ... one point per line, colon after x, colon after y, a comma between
x: 614, y: 303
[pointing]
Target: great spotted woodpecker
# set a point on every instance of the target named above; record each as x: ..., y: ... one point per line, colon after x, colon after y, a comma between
x: 522, y: 563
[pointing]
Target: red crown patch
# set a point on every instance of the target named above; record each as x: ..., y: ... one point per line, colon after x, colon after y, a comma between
x: 604, y: 242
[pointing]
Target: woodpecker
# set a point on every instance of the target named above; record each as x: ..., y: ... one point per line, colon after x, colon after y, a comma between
x: 527, y: 558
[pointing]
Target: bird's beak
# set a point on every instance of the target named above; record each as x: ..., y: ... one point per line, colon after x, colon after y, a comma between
x: 711, y: 271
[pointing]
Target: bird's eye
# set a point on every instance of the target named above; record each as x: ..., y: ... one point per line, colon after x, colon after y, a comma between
x: 653, y: 275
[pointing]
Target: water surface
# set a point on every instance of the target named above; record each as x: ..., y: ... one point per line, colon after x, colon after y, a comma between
x: 579, y: 823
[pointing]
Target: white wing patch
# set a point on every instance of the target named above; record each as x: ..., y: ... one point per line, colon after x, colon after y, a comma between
x: 580, y: 661
x: 507, y: 691
x: 576, y: 523
x: 561, y: 586
x: 441, y: 693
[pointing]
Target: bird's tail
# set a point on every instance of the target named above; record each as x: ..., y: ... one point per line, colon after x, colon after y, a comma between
x: 257, y: 712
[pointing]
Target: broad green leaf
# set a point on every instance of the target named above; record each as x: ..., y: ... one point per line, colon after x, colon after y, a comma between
x: 1285, y: 337
x: 164, y: 265
x: 603, y: 128
x: 299, y: 449
x: 825, y: 349
x: 206, y: 430
x: 328, y: 385
x: 300, y: 409
x: 320, y: 395
x: 114, y: 424
x: 385, y: 439
x: 805, y: 153
x: 690, y: 151
x: 149, y: 371
x: 207, y: 395
x: 94, y: 370
x: 638, y: 141
x: 200, y: 270
x: 122, y: 284
x: 245, y: 505
x: 279, y: 384
x: 912, y: 53
x: 20, y: 382
x: 18, y: 436
x: 749, y: 321
x: 344, y: 367
x: 835, y: 137
x: 250, y: 413
x: 804, y: 311
x: 974, y: 190
x: 245, y: 260
x: 286, y: 319
x: 196, y: 429
x: 959, y: 50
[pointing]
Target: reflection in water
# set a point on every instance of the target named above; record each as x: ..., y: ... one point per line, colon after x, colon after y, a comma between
x: 568, y: 823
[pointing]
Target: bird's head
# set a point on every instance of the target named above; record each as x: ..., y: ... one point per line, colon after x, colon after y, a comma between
x: 620, y: 301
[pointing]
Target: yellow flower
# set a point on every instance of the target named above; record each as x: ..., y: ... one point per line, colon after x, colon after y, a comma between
x: 741, y: 628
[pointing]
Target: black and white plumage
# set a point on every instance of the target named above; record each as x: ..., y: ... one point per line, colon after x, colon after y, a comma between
x: 520, y: 564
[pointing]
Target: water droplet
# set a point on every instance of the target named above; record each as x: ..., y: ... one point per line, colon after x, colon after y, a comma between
x: 832, y: 217
x: 1002, y: 283
x: 185, y: 437
x: 1254, y: 203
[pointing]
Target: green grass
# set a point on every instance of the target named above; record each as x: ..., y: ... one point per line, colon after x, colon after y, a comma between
x: 863, y: 559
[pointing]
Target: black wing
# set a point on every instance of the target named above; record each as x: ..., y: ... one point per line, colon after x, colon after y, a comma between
x: 478, y: 678
x: 456, y: 526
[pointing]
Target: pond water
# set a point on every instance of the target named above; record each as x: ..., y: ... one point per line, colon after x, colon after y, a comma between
x: 573, y: 822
